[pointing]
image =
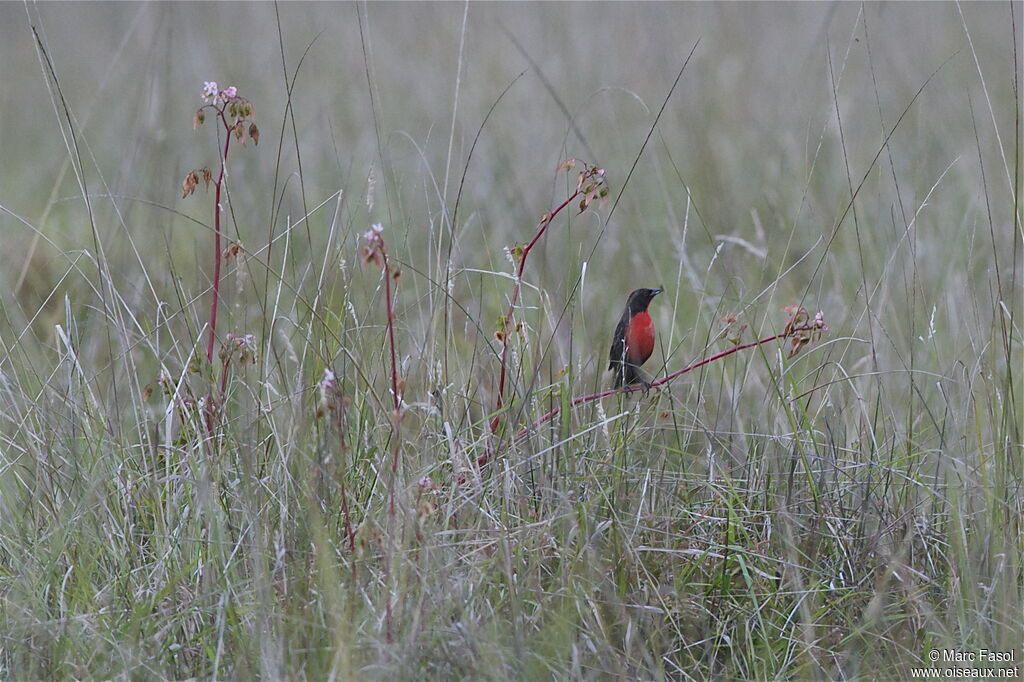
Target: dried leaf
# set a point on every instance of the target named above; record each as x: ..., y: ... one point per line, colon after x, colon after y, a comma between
x: 189, y: 184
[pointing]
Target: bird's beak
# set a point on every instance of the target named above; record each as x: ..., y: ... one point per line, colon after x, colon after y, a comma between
x: 655, y: 292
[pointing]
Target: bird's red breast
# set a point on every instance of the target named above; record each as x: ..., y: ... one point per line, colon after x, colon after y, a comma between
x: 639, y: 338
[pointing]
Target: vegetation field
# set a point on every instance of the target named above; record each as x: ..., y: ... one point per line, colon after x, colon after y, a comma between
x: 305, y: 322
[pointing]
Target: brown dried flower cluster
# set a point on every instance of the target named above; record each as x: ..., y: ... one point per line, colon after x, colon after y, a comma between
x: 801, y: 329
x: 192, y: 181
x: 590, y: 184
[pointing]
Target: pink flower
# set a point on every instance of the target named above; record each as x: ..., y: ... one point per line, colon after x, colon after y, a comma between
x: 373, y: 252
x: 210, y: 92
x: 373, y: 234
x: 229, y: 92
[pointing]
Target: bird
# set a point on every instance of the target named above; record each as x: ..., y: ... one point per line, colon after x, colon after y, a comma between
x: 634, y: 339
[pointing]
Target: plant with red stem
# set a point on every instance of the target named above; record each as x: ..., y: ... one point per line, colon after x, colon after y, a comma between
x: 800, y: 330
x: 334, y: 403
x: 233, y: 112
x: 375, y: 252
x: 591, y: 186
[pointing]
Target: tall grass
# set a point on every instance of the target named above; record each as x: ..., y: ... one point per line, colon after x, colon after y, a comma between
x: 352, y: 511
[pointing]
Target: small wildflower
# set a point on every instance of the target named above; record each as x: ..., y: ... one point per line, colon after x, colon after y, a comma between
x: 373, y: 252
x: 210, y: 92
x: 327, y: 394
x: 228, y: 92
x: 373, y: 234
x: 327, y: 381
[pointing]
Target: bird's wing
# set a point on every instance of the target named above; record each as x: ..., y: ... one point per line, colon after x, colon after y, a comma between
x: 618, y: 342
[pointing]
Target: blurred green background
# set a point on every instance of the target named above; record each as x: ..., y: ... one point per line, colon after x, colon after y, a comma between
x: 750, y: 134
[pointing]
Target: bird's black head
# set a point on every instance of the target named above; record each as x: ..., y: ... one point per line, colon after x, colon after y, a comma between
x: 640, y: 299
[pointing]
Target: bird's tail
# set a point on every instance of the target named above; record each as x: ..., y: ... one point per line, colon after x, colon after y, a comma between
x: 626, y: 374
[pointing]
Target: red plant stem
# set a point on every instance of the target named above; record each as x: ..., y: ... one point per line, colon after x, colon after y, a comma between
x: 397, y: 416
x: 654, y: 384
x: 396, y: 420
x: 376, y: 248
x: 391, y: 333
x: 216, y: 240
x: 542, y: 228
x: 348, y: 520
x: 482, y: 459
